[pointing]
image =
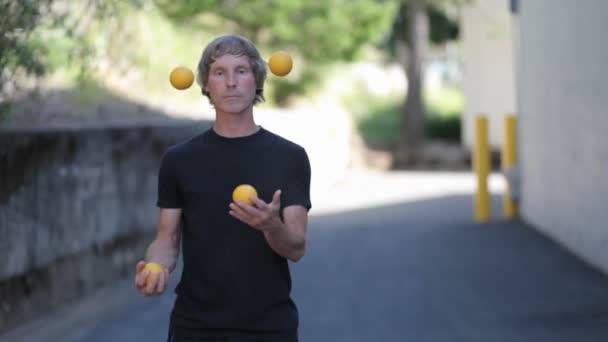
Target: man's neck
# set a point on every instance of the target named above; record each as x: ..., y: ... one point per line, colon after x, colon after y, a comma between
x: 235, y: 125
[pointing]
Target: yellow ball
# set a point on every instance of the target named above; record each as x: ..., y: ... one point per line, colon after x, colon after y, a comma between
x: 280, y: 63
x: 243, y: 192
x: 181, y: 78
x: 154, y: 269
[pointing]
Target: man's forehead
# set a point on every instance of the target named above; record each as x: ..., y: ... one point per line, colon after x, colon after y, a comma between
x: 230, y: 60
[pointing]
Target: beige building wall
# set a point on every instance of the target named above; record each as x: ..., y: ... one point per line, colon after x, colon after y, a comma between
x: 563, y: 123
x: 487, y: 48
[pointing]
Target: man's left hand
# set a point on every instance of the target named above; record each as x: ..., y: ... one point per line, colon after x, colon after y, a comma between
x: 259, y: 215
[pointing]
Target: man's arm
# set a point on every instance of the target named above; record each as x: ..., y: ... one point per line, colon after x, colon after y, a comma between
x: 164, y: 250
x: 287, y: 238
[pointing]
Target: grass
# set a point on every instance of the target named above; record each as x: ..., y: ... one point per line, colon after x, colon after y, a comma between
x: 379, y: 123
x: 138, y: 42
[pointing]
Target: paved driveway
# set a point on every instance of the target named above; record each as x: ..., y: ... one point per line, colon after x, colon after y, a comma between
x: 394, y: 267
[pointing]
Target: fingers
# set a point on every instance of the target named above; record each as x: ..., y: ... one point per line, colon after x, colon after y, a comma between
x: 163, y: 281
x: 155, y: 285
x: 239, y: 213
x: 276, y: 198
x: 255, y: 200
x: 140, y: 277
x: 140, y: 265
x: 258, y: 202
x: 151, y: 284
x: 258, y: 215
x: 243, y: 209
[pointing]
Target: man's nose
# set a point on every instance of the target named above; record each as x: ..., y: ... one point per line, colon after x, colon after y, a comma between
x: 231, y: 79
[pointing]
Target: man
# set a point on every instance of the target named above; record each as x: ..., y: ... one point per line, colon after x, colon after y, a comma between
x: 235, y: 284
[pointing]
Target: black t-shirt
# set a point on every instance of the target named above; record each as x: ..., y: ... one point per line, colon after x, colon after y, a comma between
x: 232, y: 283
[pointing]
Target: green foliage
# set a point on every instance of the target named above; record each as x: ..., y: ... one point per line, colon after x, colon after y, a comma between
x: 443, y: 128
x: 317, y: 32
x: 43, y: 35
x: 444, y: 110
x: 89, y: 91
x: 447, y: 102
x: 381, y: 126
x: 379, y: 120
x: 17, y: 20
x: 279, y: 90
x: 442, y: 28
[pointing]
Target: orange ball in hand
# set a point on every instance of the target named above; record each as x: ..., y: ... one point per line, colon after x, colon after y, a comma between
x: 181, y: 78
x: 243, y: 193
x: 280, y: 63
x: 154, y: 268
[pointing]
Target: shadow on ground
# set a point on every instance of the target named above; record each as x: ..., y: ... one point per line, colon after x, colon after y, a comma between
x: 423, y: 271
x: 411, y: 271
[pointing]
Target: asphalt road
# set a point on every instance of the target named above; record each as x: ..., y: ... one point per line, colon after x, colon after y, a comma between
x: 402, y: 269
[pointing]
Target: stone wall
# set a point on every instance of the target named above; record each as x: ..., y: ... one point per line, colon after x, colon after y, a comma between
x: 77, y: 209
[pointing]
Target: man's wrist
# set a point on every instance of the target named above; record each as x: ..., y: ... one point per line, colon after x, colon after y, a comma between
x: 279, y: 226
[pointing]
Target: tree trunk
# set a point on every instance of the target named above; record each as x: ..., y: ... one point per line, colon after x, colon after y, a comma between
x: 412, y: 117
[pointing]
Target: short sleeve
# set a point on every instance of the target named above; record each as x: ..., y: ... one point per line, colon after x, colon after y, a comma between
x: 169, y: 195
x: 297, y: 189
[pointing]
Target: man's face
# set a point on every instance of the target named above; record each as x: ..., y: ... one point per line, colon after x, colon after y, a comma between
x: 231, y: 84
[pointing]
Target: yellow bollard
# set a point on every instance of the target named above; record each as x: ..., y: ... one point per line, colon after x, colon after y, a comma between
x: 509, y: 158
x: 481, y: 165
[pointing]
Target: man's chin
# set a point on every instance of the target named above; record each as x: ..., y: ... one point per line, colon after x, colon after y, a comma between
x: 234, y: 110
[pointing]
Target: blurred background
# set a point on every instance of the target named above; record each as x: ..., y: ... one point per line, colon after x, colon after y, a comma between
x: 383, y: 95
x: 72, y: 58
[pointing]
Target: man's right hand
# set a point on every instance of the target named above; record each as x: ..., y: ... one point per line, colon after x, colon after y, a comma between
x: 156, y: 284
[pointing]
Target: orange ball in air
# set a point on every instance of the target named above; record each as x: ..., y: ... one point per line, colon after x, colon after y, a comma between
x: 181, y: 78
x: 280, y: 63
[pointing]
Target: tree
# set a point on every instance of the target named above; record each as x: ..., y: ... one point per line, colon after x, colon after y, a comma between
x: 322, y: 31
x: 23, y: 54
x: 417, y: 22
x: 18, y: 54
x: 318, y: 31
